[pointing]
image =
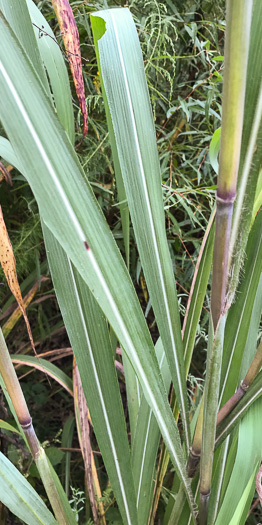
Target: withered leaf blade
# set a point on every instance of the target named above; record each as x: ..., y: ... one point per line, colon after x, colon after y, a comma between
x: 70, y: 35
x: 83, y: 430
x: 8, y: 263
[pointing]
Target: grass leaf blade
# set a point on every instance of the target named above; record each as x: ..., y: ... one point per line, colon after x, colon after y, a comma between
x: 127, y: 96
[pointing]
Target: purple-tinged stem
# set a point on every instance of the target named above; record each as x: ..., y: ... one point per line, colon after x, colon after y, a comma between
x: 245, y: 384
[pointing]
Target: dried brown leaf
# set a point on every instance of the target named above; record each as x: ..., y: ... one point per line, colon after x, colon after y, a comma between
x: 83, y: 430
x: 70, y: 35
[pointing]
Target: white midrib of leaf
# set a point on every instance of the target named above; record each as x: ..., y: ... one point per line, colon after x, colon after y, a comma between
x: 133, y: 354
x: 100, y: 393
x: 138, y: 391
x: 237, y: 332
x: 183, y: 408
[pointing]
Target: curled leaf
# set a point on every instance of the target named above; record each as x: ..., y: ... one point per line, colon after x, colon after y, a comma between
x: 70, y: 37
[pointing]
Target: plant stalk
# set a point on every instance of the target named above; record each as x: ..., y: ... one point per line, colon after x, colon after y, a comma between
x: 238, y: 19
x: 211, y: 393
x: 245, y: 384
x: 17, y: 397
x: 236, y: 56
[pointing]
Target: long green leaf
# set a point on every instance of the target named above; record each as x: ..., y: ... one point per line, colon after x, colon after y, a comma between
x: 248, y: 458
x: 39, y: 42
x: 198, y: 291
x: 73, y: 215
x: 47, y: 367
x: 55, y: 66
x: 88, y: 333
x: 124, y: 82
x: 244, y: 504
x: 20, y: 497
x: 18, y: 17
x: 46, y: 470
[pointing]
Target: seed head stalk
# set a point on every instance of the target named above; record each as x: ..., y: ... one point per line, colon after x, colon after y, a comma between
x: 238, y: 19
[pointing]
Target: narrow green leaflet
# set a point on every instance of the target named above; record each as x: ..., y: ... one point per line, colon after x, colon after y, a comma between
x: 214, y: 150
x: 71, y: 212
x: 6, y: 426
x: 88, y: 333
x: 20, y: 497
x: 124, y: 81
x: 198, y: 291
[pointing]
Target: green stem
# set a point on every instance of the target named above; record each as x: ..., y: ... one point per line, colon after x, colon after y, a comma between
x: 238, y: 19
x: 211, y: 394
x: 195, y: 451
x: 239, y: 13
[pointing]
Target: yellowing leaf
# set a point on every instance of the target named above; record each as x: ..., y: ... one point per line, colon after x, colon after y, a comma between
x: 8, y: 263
x: 70, y: 37
x: 15, y: 316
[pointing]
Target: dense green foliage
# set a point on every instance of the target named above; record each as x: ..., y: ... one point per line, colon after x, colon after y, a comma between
x: 182, y: 48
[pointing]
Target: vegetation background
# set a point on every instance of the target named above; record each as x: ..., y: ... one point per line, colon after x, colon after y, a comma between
x: 182, y: 45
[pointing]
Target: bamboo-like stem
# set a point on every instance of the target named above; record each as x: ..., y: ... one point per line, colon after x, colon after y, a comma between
x: 17, y: 397
x: 220, y: 260
x: 228, y: 423
x: 254, y: 368
x: 245, y: 384
x: 238, y: 18
x: 239, y: 14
